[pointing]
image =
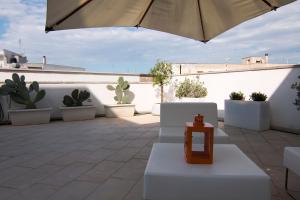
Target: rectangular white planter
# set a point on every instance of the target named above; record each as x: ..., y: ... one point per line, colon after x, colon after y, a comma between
x: 254, y: 115
x: 78, y: 113
x: 29, y: 116
x: 119, y: 110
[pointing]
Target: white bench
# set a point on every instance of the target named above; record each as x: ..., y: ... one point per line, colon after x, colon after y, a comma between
x: 174, y: 115
x: 232, y: 176
x: 291, y: 161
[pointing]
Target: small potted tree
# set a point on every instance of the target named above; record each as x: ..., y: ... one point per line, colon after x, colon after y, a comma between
x: 254, y: 114
x: 18, y: 92
x: 191, y: 91
x: 162, y: 75
x: 74, y: 109
x: 123, y: 97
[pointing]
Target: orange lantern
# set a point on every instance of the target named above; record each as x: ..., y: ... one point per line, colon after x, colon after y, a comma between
x: 199, y: 157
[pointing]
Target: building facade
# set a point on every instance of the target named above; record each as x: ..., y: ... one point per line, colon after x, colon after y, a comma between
x: 248, y: 63
x: 13, y: 60
x: 10, y: 59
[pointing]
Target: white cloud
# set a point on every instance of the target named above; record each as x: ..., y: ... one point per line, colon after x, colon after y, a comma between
x: 128, y: 49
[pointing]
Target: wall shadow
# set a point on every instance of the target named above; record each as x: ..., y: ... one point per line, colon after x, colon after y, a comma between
x: 284, y: 114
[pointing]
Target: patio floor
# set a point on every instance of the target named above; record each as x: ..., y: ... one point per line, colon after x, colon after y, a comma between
x: 105, y: 158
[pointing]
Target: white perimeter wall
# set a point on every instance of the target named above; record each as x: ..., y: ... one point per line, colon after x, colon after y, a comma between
x: 275, y: 83
x: 59, y: 84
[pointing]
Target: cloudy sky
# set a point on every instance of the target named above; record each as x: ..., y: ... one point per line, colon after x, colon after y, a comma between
x: 136, y: 50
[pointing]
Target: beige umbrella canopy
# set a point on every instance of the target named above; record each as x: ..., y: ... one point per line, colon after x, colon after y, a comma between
x: 197, y: 19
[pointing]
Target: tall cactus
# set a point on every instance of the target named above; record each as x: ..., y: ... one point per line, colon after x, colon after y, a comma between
x: 121, y: 90
x: 19, y: 93
x: 76, y: 99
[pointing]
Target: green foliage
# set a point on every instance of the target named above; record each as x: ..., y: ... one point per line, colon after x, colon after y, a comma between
x: 19, y: 93
x: 257, y: 96
x: 77, y: 98
x: 296, y: 86
x: 162, y: 73
x: 192, y: 89
x: 237, y: 96
x: 121, y: 91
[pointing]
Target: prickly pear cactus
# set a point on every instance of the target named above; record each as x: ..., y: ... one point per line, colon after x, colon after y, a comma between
x: 77, y: 98
x: 19, y: 93
x: 121, y: 91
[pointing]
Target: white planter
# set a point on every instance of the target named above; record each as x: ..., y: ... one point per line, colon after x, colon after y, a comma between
x: 78, y: 113
x: 29, y: 116
x: 254, y: 115
x: 119, y: 110
x: 188, y: 99
x: 156, y: 109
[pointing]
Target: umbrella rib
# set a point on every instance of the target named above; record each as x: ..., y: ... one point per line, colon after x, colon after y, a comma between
x: 201, y: 20
x: 51, y: 28
x: 270, y: 5
x: 145, y: 13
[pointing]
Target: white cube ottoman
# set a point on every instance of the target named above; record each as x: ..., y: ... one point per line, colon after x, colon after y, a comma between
x: 174, y: 116
x: 232, y: 176
x: 291, y: 161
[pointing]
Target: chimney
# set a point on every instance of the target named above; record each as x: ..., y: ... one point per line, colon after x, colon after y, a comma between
x: 266, y: 58
x: 44, y: 61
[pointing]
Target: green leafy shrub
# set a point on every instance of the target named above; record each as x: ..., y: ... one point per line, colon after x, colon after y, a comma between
x: 257, y: 96
x: 236, y: 96
x: 296, y: 86
x: 162, y: 74
x: 192, y: 89
x: 121, y: 91
x: 76, y: 99
x: 19, y: 93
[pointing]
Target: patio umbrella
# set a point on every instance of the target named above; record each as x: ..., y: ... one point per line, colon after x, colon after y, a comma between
x: 197, y: 19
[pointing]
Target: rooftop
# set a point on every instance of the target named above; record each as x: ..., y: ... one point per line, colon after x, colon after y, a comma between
x: 105, y: 158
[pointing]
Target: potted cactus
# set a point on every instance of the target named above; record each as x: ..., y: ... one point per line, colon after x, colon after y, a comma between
x: 74, y: 109
x: 18, y: 92
x: 253, y: 114
x: 123, y: 97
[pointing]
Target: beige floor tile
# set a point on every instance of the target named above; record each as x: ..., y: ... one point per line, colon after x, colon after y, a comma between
x: 112, y: 189
x: 105, y: 158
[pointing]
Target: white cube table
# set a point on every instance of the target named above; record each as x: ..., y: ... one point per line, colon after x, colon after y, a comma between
x: 232, y: 176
